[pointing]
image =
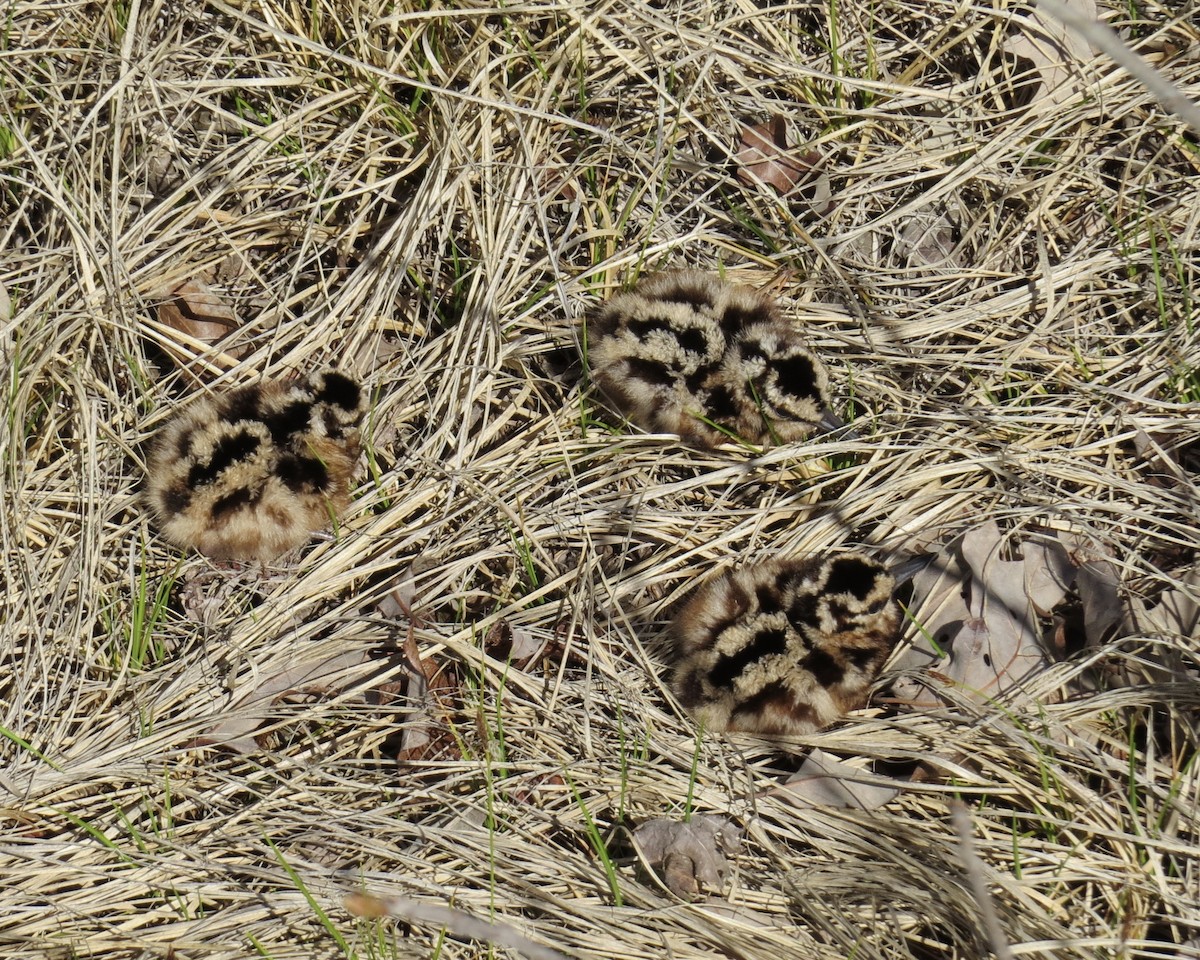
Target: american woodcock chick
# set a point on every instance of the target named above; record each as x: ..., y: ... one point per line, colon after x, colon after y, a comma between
x: 685, y: 352
x: 252, y: 473
x: 784, y: 647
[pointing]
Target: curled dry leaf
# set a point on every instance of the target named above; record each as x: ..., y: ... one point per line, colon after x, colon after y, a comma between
x: 931, y: 238
x: 1177, y: 610
x: 1171, y: 455
x: 1104, y: 613
x: 979, y: 614
x: 195, y: 309
x: 824, y: 781
x: 516, y: 645
x: 744, y: 916
x: 432, y: 692
x: 689, y: 854
x: 1098, y: 583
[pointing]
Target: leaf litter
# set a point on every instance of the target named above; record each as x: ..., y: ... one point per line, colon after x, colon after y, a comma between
x: 691, y: 855
x: 763, y: 156
x: 525, y: 267
x: 978, y: 616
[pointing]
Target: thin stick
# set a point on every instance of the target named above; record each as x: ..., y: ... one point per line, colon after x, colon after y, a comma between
x: 458, y: 922
x: 1104, y: 38
x: 974, y: 867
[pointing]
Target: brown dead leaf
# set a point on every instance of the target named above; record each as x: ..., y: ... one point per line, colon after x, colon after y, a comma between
x: 763, y: 156
x: 194, y: 309
x: 824, y: 781
x: 979, y: 614
x: 187, y: 323
x: 689, y: 854
x: 432, y: 694
x: 516, y: 645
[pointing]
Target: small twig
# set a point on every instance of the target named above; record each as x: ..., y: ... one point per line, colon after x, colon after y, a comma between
x: 458, y: 922
x: 974, y: 867
x: 1105, y: 39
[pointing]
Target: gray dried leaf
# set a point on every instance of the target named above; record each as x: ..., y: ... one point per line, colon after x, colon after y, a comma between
x: 981, y: 612
x: 1099, y: 586
x: 1048, y: 574
x: 689, y: 854
x: 928, y: 239
x: 824, y: 781
x: 939, y: 606
x: 1178, y: 609
x: 461, y: 923
x: 1055, y: 52
x: 257, y: 707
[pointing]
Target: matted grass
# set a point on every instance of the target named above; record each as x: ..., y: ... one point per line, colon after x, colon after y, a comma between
x: 1002, y: 284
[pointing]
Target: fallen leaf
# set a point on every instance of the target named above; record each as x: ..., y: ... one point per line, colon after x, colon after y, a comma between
x: 458, y: 922
x: 257, y: 708
x: 1055, y: 54
x: 938, y: 605
x: 745, y: 916
x: 1178, y: 609
x: 194, y: 309
x: 1099, y: 586
x: 824, y: 781
x: 1048, y: 573
x: 763, y: 156
x: 550, y: 783
x: 931, y: 239
x: 516, y: 645
x: 432, y: 694
x: 689, y: 854
x: 5, y: 304
x: 397, y: 603
x: 979, y: 614
x: 1162, y: 453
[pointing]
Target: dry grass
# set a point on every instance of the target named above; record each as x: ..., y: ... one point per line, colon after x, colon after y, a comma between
x: 429, y: 198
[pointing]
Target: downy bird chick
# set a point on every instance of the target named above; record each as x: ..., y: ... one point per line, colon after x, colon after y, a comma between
x: 252, y: 473
x: 784, y: 647
x: 685, y: 352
